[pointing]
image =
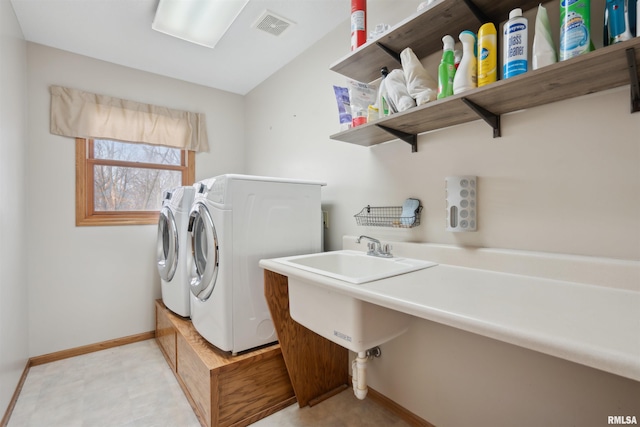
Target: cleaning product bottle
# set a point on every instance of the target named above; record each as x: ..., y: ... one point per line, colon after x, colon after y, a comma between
x: 616, y: 22
x: 487, y: 54
x: 457, y: 56
x: 544, y: 50
x: 383, y: 106
x: 467, y: 73
x: 446, y: 69
x: 515, y: 41
x: 575, y: 28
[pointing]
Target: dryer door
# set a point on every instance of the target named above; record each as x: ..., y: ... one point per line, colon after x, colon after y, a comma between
x: 167, y: 245
x: 204, y: 243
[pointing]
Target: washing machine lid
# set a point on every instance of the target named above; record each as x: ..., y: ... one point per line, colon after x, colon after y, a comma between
x: 204, y: 244
x: 167, y: 245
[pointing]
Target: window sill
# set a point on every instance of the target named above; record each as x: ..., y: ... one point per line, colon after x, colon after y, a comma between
x: 150, y: 218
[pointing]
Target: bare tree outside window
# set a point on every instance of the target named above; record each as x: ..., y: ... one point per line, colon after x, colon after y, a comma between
x: 123, y: 183
x: 123, y: 188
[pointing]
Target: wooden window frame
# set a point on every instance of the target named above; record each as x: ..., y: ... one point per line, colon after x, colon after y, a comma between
x: 85, y: 213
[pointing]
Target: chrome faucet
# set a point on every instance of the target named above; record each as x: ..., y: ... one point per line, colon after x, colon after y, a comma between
x: 375, y: 248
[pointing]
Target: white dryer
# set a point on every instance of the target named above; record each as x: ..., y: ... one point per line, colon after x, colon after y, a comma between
x: 235, y: 221
x: 174, y: 249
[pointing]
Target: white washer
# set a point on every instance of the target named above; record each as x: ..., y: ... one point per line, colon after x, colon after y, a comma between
x: 174, y: 249
x: 235, y: 221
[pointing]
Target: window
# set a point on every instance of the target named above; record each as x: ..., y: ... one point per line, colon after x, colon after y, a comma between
x: 121, y: 183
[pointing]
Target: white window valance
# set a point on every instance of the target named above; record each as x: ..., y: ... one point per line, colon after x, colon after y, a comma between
x: 79, y: 114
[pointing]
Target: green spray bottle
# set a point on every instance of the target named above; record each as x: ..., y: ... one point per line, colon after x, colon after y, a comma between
x: 446, y: 69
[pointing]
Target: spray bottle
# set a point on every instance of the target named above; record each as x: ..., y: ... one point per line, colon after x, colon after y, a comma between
x: 383, y: 106
x: 487, y: 54
x: 616, y: 21
x: 467, y: 73
x: 515, y: 44
x: 446, y: 69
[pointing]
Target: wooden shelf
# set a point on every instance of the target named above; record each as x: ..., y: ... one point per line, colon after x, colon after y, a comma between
x: 605, y: 68
x: 596, y: 71
x: 423, y: 32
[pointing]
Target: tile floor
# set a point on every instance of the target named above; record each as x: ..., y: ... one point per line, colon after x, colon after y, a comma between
x: 133, y: 386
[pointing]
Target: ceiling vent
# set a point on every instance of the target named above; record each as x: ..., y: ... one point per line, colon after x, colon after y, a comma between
x: 272, y: 23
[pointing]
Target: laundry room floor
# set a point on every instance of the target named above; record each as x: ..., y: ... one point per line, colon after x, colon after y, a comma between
x: 133, y: 386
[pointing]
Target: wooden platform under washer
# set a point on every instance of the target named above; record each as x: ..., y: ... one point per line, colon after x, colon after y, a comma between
x: 224, y: 390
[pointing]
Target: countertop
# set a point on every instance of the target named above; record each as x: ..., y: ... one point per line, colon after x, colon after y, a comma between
x: 593, y: 325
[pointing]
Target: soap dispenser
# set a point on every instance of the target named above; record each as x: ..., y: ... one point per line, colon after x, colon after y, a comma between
x: 462, y: 209
x: 467, y: 72
x: 446, y: 69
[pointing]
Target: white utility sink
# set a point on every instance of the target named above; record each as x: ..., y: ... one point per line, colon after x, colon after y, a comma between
x: 353, y: 266
x: 347, y: 321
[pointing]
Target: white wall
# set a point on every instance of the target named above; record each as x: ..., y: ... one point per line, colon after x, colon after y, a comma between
x: 545, y: 185
x: 558, y: 179
x: 562, y: 178
x: 91, y: 284
x: 13, y: 261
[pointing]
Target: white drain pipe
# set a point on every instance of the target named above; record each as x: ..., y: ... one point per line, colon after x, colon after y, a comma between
x: 358, y: 373
x: 359, y: 369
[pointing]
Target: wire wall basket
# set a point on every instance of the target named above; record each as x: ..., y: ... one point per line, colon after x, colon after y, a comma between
x: 387, y: 216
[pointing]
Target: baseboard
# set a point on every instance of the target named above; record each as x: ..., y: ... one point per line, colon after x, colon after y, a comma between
x: 408, y: 416
x: 65, y: 354
x: 85, y: 349
x: 400, y: 411
x: 14, y: 398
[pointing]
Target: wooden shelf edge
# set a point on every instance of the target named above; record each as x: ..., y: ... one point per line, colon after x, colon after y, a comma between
x: 599, y: 70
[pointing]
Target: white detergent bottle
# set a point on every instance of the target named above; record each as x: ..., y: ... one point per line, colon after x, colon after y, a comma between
x: 466, y: 77
x: 515, y: 44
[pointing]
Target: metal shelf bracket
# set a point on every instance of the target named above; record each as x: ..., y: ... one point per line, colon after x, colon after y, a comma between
x: 392, y: 53
x: 492, y: 119
x: 477, y: 12
x: 633, y: 77
x: 409, y: 138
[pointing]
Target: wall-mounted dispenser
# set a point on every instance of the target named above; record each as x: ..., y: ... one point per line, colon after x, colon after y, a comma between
x: 462, y: 210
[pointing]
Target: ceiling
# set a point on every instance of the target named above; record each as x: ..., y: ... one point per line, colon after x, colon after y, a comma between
x: 119, y: 31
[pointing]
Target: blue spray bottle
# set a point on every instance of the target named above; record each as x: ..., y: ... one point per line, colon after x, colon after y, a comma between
x: 619, y: 21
